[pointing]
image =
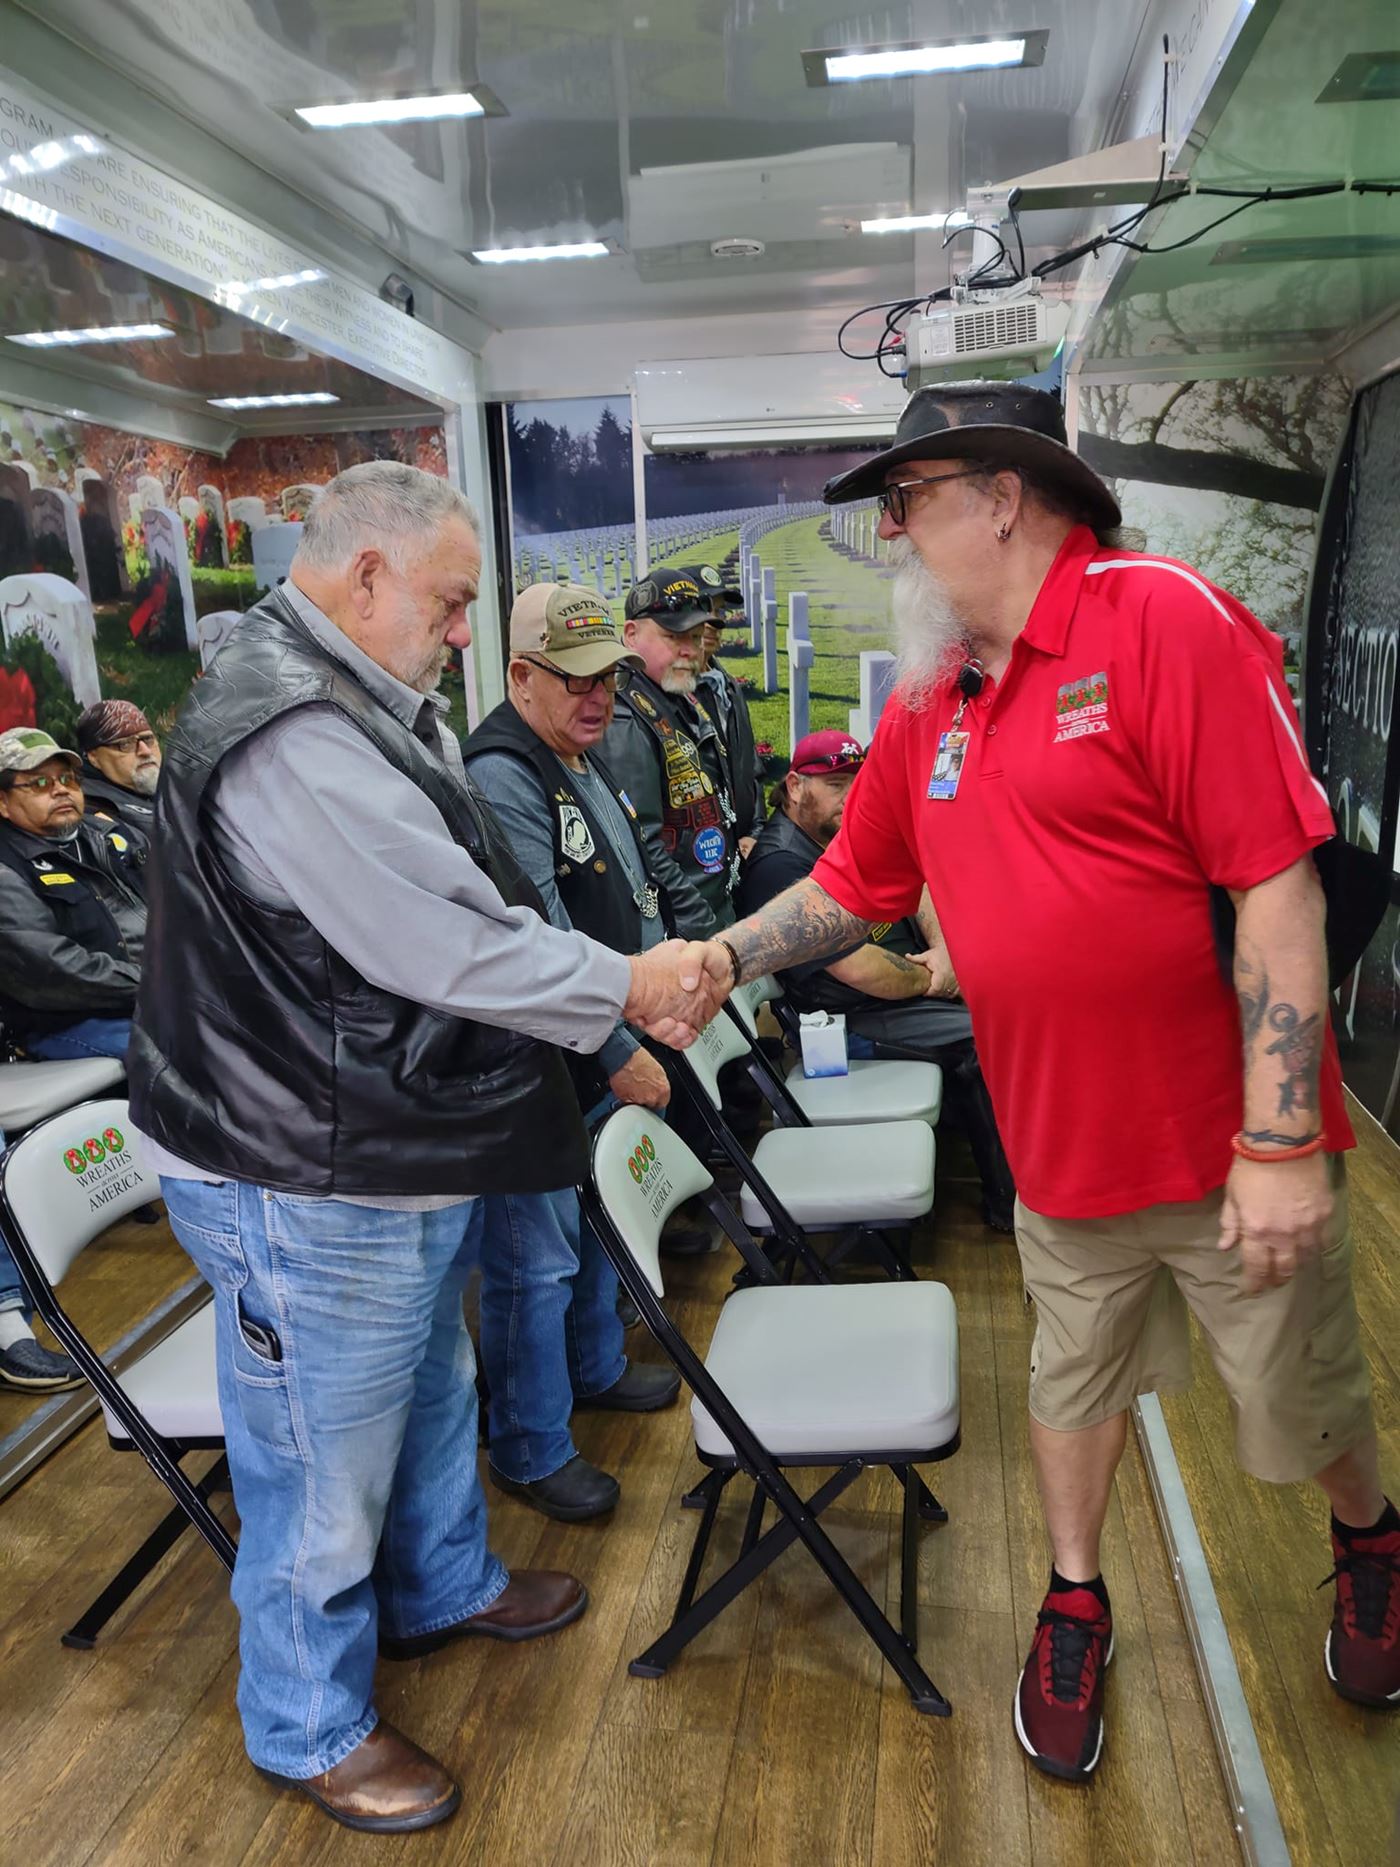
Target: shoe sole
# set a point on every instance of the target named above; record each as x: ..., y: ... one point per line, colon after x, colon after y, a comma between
x: 598, y: 1403
x: 1062, y: 1772
x: 434, y: 1643
x: 370, y: 1824
x: 557, y: 1513
x: 1369, y: 1699
x: 40, y: 1383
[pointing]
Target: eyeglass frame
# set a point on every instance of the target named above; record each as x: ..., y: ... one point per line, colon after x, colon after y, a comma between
x: 891, y: 496
x: 620, y: 674
x: 131, y: 742
x: 68, y: 780
x: 834, y: 762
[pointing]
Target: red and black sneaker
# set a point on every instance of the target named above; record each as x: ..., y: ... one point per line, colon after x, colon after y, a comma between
x: 1059, y: 1702
x: 1363, y: 1642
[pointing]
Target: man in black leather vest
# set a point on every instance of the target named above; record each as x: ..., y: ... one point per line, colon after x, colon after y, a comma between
x: 345, y: 1032
x: 664, y: 749
x: 722, y: 696
x: 121, y: 762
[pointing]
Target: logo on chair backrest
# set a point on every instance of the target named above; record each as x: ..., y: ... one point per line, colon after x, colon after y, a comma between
x: 104, y: 1165
x: 642, y: 1156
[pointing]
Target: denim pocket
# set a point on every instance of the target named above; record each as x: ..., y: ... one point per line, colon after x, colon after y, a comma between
x: 261, y: 1383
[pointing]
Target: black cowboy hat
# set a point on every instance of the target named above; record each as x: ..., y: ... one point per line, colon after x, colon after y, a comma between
x: 1003, y: 423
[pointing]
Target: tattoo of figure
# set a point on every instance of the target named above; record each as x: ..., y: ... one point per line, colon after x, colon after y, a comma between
x: 1298, y: 1048
x: 1252, y: 987
x: 800, y: 924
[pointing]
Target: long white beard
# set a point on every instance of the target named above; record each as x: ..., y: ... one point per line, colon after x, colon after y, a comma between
x: 930, y: 637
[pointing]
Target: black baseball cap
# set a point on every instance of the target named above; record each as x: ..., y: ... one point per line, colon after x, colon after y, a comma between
x: 714, y: 589
x: 1002, y: 423
x: 672, y: 598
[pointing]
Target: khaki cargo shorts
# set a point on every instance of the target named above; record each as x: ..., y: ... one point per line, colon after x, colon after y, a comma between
x: 1111, y: 1299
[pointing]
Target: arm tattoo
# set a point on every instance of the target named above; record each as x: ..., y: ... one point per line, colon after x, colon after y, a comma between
x: 800, y: 924
x: 901, y: 964
x: 1298, y: 1048
x: 1252, y: 986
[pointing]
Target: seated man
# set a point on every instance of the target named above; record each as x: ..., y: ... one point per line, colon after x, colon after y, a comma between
x: 121, y: 762
x: 897, y: 991
x: 550, y: 1333
x: 72, y: 907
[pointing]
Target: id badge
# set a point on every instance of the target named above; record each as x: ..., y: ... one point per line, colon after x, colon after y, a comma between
x: 947, y: 767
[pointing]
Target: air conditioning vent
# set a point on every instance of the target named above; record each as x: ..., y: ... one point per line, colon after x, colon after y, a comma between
x: 990, y: 330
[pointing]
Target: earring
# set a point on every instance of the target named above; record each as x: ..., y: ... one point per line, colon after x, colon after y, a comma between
x: 1004, y: 533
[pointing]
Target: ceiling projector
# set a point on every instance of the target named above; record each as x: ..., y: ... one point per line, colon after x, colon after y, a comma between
x: 1000, y: 333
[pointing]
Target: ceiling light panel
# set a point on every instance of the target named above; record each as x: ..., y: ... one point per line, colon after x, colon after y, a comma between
x: 94, y: 334
x: 513, y: 255
x: 917, y: 223
x: 272, y: 401
x: 855, y: 64
x: 362, y: 112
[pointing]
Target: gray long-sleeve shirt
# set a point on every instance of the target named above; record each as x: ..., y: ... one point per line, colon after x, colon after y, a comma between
x: 308, y: 815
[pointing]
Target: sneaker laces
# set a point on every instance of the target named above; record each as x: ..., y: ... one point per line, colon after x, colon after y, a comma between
x: 1374, y: 1575
x: 1071, y: 1645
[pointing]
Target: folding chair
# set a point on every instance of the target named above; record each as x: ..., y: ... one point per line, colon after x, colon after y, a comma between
x: 844, y: 1376
x: 874, y: 1090
x: 62, y: 1185
x: 858, y: 1181
x: 31, y: 1091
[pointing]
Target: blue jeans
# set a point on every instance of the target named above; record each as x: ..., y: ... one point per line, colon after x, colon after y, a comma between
x: 90, y: 1037
x: 346, y: 1381
x: 549, y: 1325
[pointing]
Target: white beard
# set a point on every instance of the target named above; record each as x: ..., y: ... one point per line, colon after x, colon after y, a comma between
x: 679, y: 681
x: 930, y: 637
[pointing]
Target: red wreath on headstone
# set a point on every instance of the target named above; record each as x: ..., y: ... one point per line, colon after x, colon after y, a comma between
x: 17, y: 702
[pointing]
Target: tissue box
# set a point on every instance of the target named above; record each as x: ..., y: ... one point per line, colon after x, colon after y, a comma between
x: 824, y: 1044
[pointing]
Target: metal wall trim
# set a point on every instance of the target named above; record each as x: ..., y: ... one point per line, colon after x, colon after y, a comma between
x: 1252, y: 1806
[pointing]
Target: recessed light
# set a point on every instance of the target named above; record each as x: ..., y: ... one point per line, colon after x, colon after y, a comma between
x: 513, y: 255
x: 282, y: 281
x: 271, y: 401
x: 477, y: 102
x: 916, y: 223
x: 24, y: 209
x: 94, y: 334
x: 854, y: 64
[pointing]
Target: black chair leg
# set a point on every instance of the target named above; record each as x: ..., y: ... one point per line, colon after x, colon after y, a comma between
x: 84, y: 1631
x: 929, y: 1507
x: 909, y: 1567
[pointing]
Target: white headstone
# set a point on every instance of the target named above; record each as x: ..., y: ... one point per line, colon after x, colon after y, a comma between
x: 148, y: 497
x: 801, y: 655
x: 250, y: 512
x: 61, y: 617
x: 297, y: 500
x: 214, y: 630
x: 274, y: 547
x: 877, y: 674
x: 164, y: 532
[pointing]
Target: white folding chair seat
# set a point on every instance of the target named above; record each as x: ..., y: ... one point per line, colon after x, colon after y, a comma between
x: 876, y: 1090
x: 836, y: 1368
x: 175, y: 1386
x: 31, y: 1092
x: 830, y: 1178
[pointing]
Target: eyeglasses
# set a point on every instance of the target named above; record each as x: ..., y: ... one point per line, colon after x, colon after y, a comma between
x: 892, y: 500
x: 138, y: 742
x: 67, y: 780
x: 611, y: 680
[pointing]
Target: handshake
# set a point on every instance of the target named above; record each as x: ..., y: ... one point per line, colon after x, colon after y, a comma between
x: 677, y: 988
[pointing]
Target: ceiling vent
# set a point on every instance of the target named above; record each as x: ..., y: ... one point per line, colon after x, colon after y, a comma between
x: 737, y: 248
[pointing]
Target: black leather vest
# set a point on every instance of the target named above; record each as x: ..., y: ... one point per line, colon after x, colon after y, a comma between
x: 71, y: 880
x: 257, y: 1051
x: 697, y: 815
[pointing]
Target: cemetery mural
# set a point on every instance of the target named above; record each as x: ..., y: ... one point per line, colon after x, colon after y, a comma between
x: 572, y: 511
x: 125, y: 560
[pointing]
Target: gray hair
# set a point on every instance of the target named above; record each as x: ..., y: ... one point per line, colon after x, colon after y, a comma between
x: 381, y: 503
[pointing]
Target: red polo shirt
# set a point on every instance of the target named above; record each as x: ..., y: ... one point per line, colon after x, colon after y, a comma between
x: 1140, y: 744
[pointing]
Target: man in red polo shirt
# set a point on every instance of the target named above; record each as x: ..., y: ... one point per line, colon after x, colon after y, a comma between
x: 1084, y: 743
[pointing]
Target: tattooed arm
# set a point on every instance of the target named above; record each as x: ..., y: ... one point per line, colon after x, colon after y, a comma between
x: 800, y: 924
x: 1277, y: 1211
x: 872, y: 970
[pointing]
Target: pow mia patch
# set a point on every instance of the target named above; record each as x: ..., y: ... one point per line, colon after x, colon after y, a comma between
x: 573, y: 833
x: 709, y: 575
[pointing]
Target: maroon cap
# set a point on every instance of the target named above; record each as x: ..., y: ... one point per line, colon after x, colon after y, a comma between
x: 820, y: 753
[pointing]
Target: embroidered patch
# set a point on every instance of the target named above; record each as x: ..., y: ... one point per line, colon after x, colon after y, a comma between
x: 1081, y: 707
x: 710, y: 850
x: 573, y: 833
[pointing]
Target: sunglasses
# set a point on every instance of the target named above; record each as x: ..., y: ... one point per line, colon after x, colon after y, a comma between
x: 611, y: 680
x: 828, y: 761
x: 66, y: 780
x: 893, y: 499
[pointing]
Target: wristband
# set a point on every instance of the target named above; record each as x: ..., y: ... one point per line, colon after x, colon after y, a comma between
x: 1267, y: 1154
x: 733, y: 961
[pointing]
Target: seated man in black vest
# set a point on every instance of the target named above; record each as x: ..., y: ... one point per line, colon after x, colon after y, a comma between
x: 664, y: 749
x: 72, y: 907
x: 121, y: 762
x: 897, y: 991
x: 550, y: 1333
x: 346, y: 1032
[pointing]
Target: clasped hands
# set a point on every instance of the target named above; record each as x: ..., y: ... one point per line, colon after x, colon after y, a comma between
x: 677, y: 988
x: 941, y: 980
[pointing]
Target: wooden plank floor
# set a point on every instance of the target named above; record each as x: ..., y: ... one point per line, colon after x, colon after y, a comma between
x: 778, y: 1737
x: 1334, y: 1767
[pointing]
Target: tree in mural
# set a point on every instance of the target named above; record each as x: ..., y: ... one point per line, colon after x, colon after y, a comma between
x: 562, y: 481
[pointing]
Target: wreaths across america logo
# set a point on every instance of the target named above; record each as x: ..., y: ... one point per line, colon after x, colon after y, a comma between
x: 1081, y: 707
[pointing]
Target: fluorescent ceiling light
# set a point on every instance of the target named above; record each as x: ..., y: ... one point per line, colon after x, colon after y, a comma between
x: 24, y: 209
x: 281, y: 282
x: 95, y: 334
x: 916, y: 223
x: 854, y: 64
x: 391, y: 110
x: 271, y: 401
x: 510, y: 255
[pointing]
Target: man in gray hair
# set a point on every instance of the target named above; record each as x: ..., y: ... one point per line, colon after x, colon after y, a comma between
x: 345, y: 1032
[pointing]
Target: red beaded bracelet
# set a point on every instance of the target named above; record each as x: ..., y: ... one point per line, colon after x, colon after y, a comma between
x: 1268, y: 1154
